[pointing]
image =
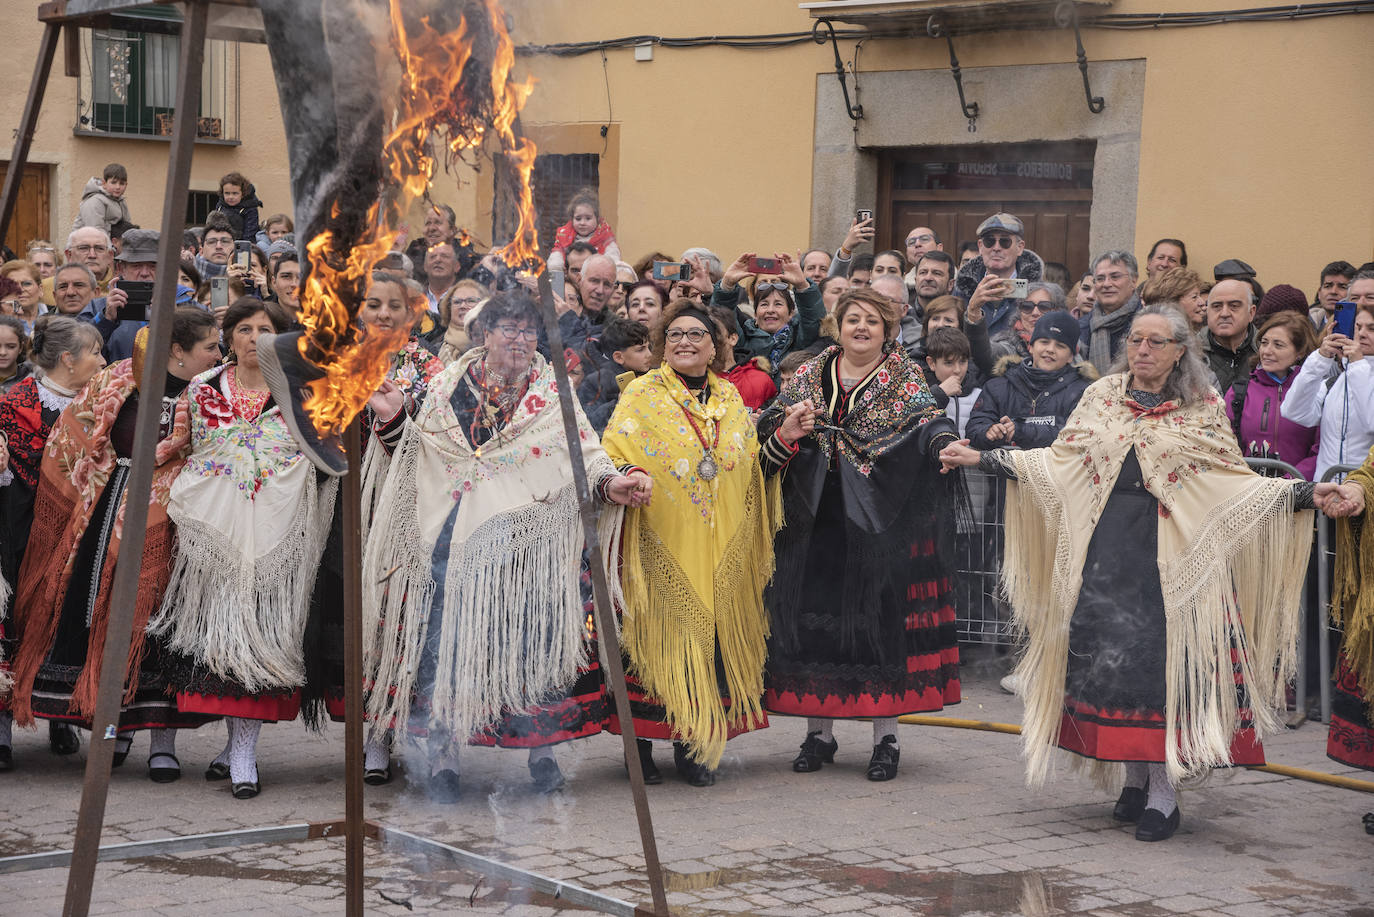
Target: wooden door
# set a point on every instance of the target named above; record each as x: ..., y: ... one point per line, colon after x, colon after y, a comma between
x: 953, y: 189
x: 30, y: 220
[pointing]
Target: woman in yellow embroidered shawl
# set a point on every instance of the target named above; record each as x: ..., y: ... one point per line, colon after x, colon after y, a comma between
x: 1156, y: 577
x: 694, y: 561
x: 1351, y: 738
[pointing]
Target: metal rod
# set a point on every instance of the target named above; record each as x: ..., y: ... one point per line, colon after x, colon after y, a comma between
x: 574, y: 894
x: 855, y: 111
x: 162, y: 845
x: 605, y: 615
x: 353, y: 671
x: 1095, y: 103
x: 27, y: 124
x: 124, y: 591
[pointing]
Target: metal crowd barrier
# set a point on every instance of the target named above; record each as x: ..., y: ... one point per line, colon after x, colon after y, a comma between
x: 982, y: 616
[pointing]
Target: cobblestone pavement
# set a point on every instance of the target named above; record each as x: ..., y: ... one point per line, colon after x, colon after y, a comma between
x: 957, y: 833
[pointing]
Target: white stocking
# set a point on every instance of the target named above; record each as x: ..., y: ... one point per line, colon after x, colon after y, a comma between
x: 822, y: 725
x: 243, y: 751
x: 884, y: 726
x: 1162, y: 795
x: 223, y: 756
x: 377, y: 754
x: 1137, y: 773
x: 162, y: 742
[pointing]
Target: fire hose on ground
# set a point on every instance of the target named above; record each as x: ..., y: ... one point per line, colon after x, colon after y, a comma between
x: 1283, y: 770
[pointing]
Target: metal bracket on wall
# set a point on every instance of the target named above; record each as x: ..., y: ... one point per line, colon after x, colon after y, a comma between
x: 970, y: 109
x: 1067, y: 14
x: 854, y: 110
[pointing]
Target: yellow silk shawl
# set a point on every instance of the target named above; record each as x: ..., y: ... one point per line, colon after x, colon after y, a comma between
x: 1231, y: 558
x: 1354, y: 594
x: 695, y: 561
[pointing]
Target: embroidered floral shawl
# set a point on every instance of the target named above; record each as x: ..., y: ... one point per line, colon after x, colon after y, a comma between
x: 1231, y: 557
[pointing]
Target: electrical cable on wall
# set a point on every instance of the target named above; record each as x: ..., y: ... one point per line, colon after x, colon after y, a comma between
x: 1287, y: 13
x: 610, y: 112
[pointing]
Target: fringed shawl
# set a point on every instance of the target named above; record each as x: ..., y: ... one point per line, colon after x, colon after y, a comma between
x: 1354, y: 594
x: 513, y: 630
x: 77, y: 465
x: 251, y: 523
x: 695, y: 561
x: 1231, y: 561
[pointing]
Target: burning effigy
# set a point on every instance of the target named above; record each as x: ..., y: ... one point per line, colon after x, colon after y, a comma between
x: 377, y: 96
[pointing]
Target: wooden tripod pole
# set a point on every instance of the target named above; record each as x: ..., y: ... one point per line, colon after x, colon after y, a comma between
x: 115, y: 659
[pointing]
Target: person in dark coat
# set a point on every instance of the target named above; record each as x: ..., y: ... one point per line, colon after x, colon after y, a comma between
x: 624, y: 345
x: 985, y: 282
x: 1027, y: 403
x: 238, y: 200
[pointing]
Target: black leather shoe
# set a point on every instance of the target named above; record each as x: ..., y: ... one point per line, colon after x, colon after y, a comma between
x: 546, y: 775
x: 1368, y: 819
x: 377, y: 776
x: 62, y: 739
x: 443, y: 786
x: 652, y: 775
x: 6, y: 758
x: 217, y: 770
x: 164, y: 774
x: 883, y: 764
x: 246, y: 790
x: 121, y: 753
x: 1130, y: 804
x: 694, y: 772
x: 814, y: 753
x: 1154, y: 826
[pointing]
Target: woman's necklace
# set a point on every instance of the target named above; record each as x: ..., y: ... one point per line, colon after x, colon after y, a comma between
x: 248, y: 403
x: 496, y: 400
x: 707, y: 467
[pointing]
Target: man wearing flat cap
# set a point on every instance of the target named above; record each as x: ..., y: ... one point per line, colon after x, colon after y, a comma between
x: 136, y: 261
x: 985, y: 282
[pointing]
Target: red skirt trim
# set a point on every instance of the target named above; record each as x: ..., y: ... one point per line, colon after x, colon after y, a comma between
x: 1350, y: 739
x: 1136, y: 735
x: 649, y: 716
x: 270, y: 708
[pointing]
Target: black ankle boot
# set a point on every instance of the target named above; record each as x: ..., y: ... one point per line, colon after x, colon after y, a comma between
x: 814, y: 753
x: 1130, y: 804
x: 694, y: 772
x: 883, y: 764
x: 647, y: 767
x: 1156, y: 826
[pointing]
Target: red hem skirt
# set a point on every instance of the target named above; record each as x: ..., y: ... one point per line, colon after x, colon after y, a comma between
x: 650, y: 718
x: 1137, y: 735
x: 1350, y: 739
x: 270, y: 708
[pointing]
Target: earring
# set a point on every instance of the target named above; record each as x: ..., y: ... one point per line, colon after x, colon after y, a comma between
x: 180, y: 364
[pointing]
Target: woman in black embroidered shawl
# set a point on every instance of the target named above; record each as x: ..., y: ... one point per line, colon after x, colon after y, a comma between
x: 861, y: 602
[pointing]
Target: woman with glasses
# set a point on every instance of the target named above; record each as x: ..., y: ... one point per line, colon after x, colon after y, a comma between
x: 693, y: 563
x: 1041, y: 299
x: 787, y: 309
x: 625, y: 279
x: 861, y: 601
x: 472, y: 563
x: 27, y: 304
x: 449, y: 340
x: 43, y: 255
x: 1156, y: 578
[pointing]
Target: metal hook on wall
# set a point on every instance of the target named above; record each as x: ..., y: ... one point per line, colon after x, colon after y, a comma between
x: 854, y: 110
x: 970, y: 109
x: 1067, y: 14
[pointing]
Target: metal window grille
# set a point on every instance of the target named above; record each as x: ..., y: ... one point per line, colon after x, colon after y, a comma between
x: 198, y: 206
x: 557, y: 177
x: 129, y: 79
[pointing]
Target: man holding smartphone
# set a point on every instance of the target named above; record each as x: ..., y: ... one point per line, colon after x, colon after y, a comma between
x: 119, y: 314
x: 986, y: 282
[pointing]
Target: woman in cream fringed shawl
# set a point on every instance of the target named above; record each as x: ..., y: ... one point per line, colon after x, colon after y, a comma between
x: 1156, y: 578
x: 472, y: 563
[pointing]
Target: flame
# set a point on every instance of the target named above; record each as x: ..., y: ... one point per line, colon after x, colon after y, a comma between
x: 440, y: 96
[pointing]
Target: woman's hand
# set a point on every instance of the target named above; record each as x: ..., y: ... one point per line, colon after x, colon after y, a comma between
x: 633, y: 489
x: 736, y: 272
x: 387, y: 401
x: 1003, y: 429
x: 799, y: 422
x: 701, y: 277
x: 958, y: 455
x: 1339, y: 500
x: 1334, y: 345
x: 792, y: 271
x: 859, y: 233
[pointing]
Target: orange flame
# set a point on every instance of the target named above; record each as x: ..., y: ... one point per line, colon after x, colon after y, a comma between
x: 432, y: 101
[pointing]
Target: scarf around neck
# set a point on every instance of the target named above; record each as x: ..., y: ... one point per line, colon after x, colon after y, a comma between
x: 1103, y: 327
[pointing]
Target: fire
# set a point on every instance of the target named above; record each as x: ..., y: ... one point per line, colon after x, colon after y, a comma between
x: 446, y: 94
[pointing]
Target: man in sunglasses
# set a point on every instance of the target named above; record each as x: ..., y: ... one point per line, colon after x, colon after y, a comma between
x: 985, y: 282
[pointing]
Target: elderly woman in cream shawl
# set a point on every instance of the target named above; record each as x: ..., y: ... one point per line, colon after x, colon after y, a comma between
x: 1156, y: 577
x: 471, y: 565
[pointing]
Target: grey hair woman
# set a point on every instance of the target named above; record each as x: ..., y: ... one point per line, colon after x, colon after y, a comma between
x: 1164, y: 355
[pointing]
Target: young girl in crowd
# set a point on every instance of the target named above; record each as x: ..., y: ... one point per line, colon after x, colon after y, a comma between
x: 584, y: 225
x: 14, y: 352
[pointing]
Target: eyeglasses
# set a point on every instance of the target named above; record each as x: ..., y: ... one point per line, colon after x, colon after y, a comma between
x: 771, y: 285
x: 42, y: 248
x: 992, y: 241
x: 90, y: 249
x: 510, y: 332
x: 465, y: 300
x: 1152, y: 342
x: 625, y: 285
x: 1029, y: 307
x: 920, y: 240
x: 695, y: 335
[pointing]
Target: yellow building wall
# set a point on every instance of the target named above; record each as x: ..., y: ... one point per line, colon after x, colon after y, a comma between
x: 1253, y: 141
